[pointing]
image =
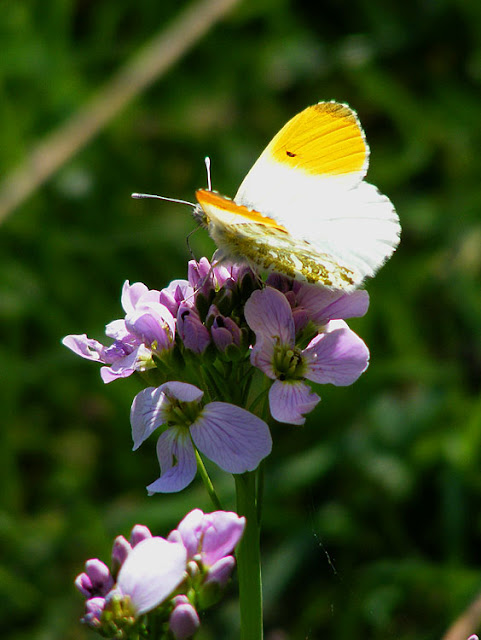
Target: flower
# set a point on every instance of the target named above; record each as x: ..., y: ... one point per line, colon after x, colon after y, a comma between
x: 151, y: 572
x: 148, y: 328
x: 210, y: 538
x: 336, y: 355
x: 213, y: 536
x: 230, y: 436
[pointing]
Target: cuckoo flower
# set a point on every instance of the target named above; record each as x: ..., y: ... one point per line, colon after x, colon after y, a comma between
x: 150, y: 573
x: 211, y: 538
x: 148, y: 328
x: 230, y: 436
x: 336, y: 355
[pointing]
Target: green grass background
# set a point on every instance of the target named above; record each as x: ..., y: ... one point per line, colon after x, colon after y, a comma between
x: 372, y: 516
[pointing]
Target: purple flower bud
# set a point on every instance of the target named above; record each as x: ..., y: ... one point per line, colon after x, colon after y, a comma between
x: 120, y: 550
x: 139, y: 532
x: 220, y: 572
x: 96, y: 581
x: 193, y: 333
x: 93, y: 612
x: 184, y: 621
x: 224, y: 331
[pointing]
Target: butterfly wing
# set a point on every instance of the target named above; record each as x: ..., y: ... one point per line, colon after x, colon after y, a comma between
x: 245, y: 235
x: 309, y: 179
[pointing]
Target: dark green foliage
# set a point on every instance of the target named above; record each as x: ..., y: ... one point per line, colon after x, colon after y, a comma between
x: 372, y: 513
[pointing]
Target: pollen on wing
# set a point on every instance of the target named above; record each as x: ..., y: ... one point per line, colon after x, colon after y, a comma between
x: 275, y: 251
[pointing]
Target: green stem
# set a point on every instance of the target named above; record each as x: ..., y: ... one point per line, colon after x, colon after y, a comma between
x: 207, y: 481
x: 249, y: 559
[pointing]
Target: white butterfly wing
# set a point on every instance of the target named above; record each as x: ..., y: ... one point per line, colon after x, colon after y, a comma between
x: 310, y: 180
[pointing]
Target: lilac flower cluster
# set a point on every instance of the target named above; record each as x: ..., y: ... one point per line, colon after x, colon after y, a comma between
x: 160, y: 581
x: 206, y: 339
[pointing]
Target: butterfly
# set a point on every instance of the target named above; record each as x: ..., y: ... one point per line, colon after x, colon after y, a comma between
x: 304, y: 209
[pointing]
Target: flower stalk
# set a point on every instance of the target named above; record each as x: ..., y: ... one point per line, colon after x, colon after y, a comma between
x: 249, y: 559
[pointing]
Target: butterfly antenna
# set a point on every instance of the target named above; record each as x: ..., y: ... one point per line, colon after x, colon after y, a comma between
x: 207, y: 166
x: 140, y: 196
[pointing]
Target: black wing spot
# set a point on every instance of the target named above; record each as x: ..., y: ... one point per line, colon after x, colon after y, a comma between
x: 291, y: 154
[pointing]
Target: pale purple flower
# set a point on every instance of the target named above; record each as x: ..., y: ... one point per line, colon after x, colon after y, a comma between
x: 212, y: 536
x: 148, y: 328
x: 96, y: 580
x: 336, y: 355
x: 230, y: 436
x: 184, y: 620
x: 150, y: 573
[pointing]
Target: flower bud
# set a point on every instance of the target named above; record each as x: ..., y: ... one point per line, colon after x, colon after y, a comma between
x: 96, y: 580
x: 139, y: 532
x: 194, y: 335
x: 225, y: 333
x: 93, y: 612
x: 184, y: 621
x: 120, y: 550
x: 221, y: 571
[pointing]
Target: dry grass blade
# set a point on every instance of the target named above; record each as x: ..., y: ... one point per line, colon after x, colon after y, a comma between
x: 147, y: 66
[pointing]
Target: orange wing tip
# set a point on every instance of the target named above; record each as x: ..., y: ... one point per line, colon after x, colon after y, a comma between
x: 214, y: 199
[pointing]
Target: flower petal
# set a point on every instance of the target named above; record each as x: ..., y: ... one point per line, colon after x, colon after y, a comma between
x: 222, y: 532
x: 289, y: 401
x: 338, y: 356
x: 262, y: 357
x: 131, y: 293
x: 182, y: 391
x: 85, y: 347
x: 151, y: 571
x: 232, y: 437
x: 323, y: 305
x: 269, y: 315
x: 152, y: 322
x: 148, y: 412
x: 177, y: 462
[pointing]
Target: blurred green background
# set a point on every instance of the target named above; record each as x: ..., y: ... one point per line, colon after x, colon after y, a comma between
x: 373, y: 518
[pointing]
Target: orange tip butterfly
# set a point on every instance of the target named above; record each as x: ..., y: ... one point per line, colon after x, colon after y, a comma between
x: 304, y: 209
